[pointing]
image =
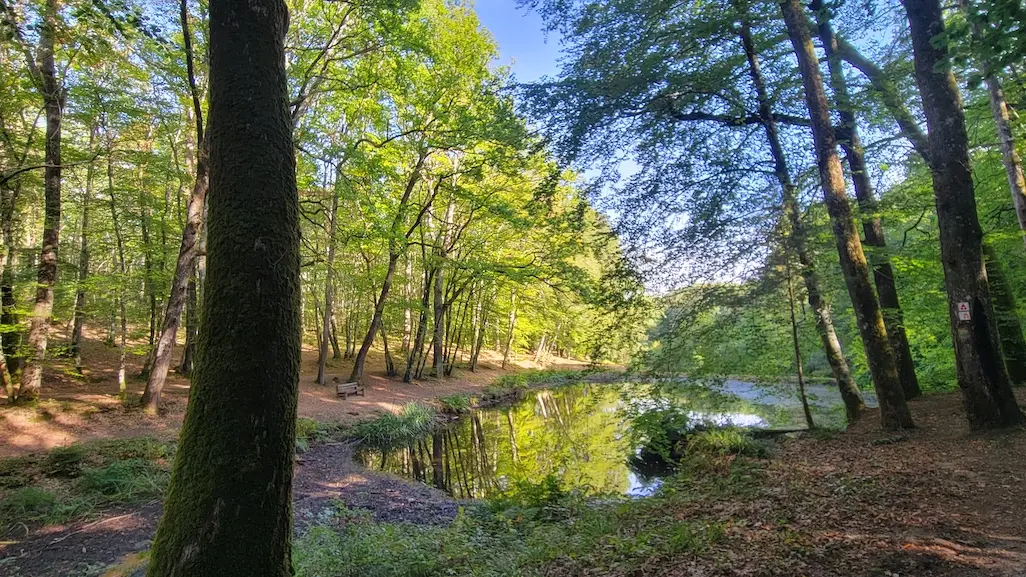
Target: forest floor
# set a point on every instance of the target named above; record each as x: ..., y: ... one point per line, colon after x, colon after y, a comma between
x: 936, y: 501
x: 75, y: 408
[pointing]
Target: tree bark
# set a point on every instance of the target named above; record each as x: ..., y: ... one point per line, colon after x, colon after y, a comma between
x: 190, y: 235
x: 53, y: 104
x: 228, y: 510
x: 510, y: 331
x: 191, y: 325
x: 872, y: 228
x: 329, y: 288
x: 379, y: 309
x: 1006, y: 316
x: 850, y: 394
x: 83, y: 263
x: 982, y: 378
x: 883, y: 366
x: 122, y: 273
x: 799, y: 370
x: 441, y: 252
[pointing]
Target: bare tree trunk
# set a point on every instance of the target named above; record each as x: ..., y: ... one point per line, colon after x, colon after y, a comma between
x: 83, y: 262
x: 329, y: 287
x: 416, y: 351
x: 407, y: 312
x: 191, y: 325
x: 510, y: 330
x: 986, y: 390
x: 883, y: 366
x: 187, y: 251
x: 850, y: 394
x: 336, y: 352
x: 53, y: 104
x: 379, y: 309
x: 438, y: 358
x: 8, y: 304
x: 1006, y: 316
x: 228, y: 510
x: 122, y: 272
x: 479, y: 336
x: 389, y: 362
x: 883, y: 272
x: 799, y: 370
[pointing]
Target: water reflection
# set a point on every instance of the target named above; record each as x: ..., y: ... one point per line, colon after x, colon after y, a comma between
x: 578, y: 433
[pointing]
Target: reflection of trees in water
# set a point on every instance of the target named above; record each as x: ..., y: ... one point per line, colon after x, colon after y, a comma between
x: 574, y: 432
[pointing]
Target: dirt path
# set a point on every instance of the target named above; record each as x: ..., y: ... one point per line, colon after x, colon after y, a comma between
x: 324, y: 474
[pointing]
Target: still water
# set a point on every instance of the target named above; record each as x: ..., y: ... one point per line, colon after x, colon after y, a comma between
x: 581, y: 434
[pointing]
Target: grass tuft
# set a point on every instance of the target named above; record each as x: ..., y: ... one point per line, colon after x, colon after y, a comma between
x: 395, y: 429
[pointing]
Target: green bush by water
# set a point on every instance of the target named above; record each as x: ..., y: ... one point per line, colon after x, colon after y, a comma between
x: 395, y: 429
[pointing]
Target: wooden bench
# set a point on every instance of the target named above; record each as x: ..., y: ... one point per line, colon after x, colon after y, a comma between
x: 346, y: 389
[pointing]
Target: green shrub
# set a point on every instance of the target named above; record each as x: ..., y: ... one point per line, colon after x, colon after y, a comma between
x: 307, y: 430
x: 724, y: 441
x: 392, y: 430
x: 456, y: 404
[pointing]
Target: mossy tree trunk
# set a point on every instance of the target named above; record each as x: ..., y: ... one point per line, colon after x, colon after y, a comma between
x: 228, y: 510
x: 853, y: 403
x: 872, y: 227
x: 982, y: 378
x: 883, y: 366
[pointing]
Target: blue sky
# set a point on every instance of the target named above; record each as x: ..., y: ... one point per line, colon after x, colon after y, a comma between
x: 523, y: 44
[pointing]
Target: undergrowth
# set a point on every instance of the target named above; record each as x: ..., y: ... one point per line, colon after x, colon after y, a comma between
x: 395, y: 429
x: 75, y: 481
x: 541, y: 530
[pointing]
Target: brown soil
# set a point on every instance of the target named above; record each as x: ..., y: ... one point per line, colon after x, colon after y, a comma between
x: 79, y: 408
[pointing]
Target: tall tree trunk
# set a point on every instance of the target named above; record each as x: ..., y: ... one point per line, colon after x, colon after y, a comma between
x: 83, y: 263
x: 329, y: 287
x: 53, y: 104
x: 418, y: 341
x: 1006, y: 316
x: 872, y: 228
x: 438, y: 356
x: 883, y: 366
x: 407, y: 312
x: 191, y: 325
x: 187, y: 251
x: 479, y: 336
x: 336, y: 352
x: 389, y: 362
x: 228, y: 510
x: 122, y: 273
x: 8, y: 303
x: 798, y: 369
x: 986, y: 391
x: 510, y: 330
x: 379, y: 309
x: 850, y: 394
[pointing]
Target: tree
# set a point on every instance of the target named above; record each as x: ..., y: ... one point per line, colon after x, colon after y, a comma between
x: 872, y: 228
x: 894, y: 412
x: 42, y: 67
x: 190, y: 235
x: 229, y: 510
x: 982, y: 378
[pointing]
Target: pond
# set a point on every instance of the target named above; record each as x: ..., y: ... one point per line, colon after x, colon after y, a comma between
x: 581, y: 435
